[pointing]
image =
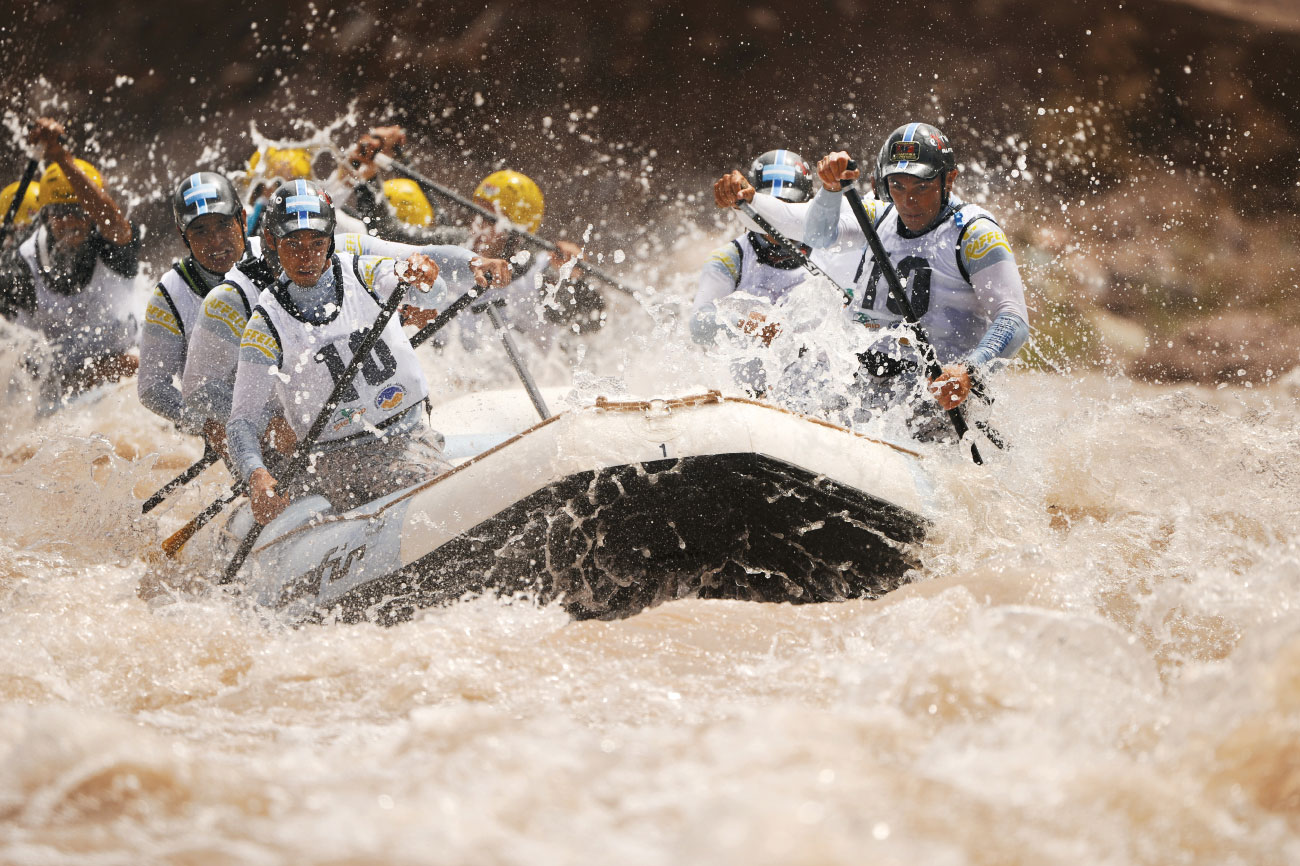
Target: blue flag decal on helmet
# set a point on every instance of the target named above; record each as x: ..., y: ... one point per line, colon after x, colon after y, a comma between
x: 199, y: 194
x: 782, y: 174
x: 302, y: 204
x: 779, y: 174
x: 203, y: 193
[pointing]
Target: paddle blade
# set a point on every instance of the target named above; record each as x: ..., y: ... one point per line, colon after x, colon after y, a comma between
x: 173, y: 543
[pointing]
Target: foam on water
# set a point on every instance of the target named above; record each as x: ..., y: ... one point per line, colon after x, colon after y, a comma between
x: 1096, y: 663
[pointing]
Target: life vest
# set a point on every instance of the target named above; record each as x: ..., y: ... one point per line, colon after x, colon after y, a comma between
x: 389, y: 381
x: 933, y: 276
x: 760, y: 279
x: 94, y: 321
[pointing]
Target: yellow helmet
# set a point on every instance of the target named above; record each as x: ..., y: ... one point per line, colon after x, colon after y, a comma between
x: 289, y: 163
x: 409, y: 201
x: 516, y: 195
x: 57, y: 189
x: 27, y: 209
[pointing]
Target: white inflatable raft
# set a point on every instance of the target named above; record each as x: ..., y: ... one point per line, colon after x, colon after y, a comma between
x: 611, y: 509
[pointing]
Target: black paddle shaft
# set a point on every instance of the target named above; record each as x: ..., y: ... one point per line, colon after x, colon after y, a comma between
x: 26, y: 181
x: 899, y: 297
x: 444, y: 317
x: 451, y: 195
x: 302, y: 453
x: 172, y: 544
x: 512, y: 351
x: 209, y: 457
x: 798, y: 250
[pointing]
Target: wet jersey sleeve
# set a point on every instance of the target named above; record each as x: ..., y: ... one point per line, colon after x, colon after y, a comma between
x: 208, y: 385
x: 380, y: 275
x: 832, y: 225
x: 1002, y: 340
x: 986, y: 255
x: 718, y: 278
x: 453, y: 261
x: 254, y: 398
x: 787, y: 218
x: 162, y: 360
x: 984, y: 245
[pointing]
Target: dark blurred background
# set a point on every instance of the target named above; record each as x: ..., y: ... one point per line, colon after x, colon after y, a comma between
x: 1142, y: 154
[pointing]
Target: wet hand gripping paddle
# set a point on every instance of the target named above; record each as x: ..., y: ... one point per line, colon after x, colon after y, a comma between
x: 896, y: 293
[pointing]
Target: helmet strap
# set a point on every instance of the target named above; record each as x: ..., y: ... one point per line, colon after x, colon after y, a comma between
x: 880, y: 186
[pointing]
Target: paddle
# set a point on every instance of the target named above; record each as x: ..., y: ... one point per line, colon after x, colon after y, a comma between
x: 28, y: 173
x: 385, y: 161
x: 534, y: 394
x: 209, y: 457
x: 444, y: 317
x: 173, y: 543
x: 896, y: 293
x: 798, y: 250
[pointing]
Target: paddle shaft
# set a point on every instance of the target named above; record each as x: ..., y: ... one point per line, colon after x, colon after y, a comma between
x: 896, y: 293
x: 534, y: 393
x: 28, y: 173
x: 174, y: 542
x: 209, y: 457
x: 302, y: 453
x: 799, y: 251
x: 385, y: 161
x: 444, y: 317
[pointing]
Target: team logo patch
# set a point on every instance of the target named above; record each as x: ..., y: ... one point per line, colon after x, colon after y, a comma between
x: 228, y: 314
x: 390, y: 398
x: 346, y: 416
x: 905, y: 151
x: 983, y: 244
x: 156, y: 315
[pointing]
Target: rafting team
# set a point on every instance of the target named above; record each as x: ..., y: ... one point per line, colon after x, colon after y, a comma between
x: 246, y: 338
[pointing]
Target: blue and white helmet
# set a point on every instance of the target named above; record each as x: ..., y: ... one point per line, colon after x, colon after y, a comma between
x: 298, y: 205
x: 782, y: 174
x: 201, y: 194
x: 916, y: 149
